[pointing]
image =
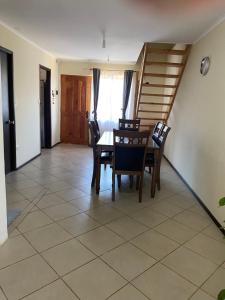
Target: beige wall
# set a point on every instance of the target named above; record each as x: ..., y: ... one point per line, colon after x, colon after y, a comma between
x: 27, y: 59
x: 71, y: 67
x: 196, y: 144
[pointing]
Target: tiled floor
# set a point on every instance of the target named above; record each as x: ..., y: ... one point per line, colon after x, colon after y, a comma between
x: 71, y: 244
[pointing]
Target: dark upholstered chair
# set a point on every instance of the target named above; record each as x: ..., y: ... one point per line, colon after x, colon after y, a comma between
x: 130, y: 149
x: 127, y: 124
x: 150, y: 162
x: 105, y: 157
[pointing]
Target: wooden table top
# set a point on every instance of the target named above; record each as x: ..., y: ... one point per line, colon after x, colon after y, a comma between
x: 106, y: 142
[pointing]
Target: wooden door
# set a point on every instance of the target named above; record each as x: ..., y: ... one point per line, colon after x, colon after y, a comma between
x: 8, y: 112
x: 75, y: 104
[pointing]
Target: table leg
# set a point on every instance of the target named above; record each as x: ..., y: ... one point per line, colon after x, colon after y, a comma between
x: 98, y: 175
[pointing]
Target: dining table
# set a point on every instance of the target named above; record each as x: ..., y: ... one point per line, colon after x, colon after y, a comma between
x: 105, y: 143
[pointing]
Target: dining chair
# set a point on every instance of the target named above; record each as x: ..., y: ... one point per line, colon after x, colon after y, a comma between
x: 157, y: 130
x: 130, y: 149
x: 153, y: 160
x: 103, y: 158
x: 128, y: 124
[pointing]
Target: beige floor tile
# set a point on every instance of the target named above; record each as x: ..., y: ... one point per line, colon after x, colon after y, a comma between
x: 57, y: 186
x: 61, y: 211
x: 127, y: 228
x: 34, y: 220
x: 128, y: 293
x: 160, y: 283
x: 14, y: 197
x: 155, y: 244
x: 100, y: 240
x: 71, y: 194
x: 104, y: 214
x: 207, y: 247
x: 79, y: 224
x: 14, y: 233
x: 128, y: 205
x: 190, y: 265
x: 68, y: 256
x: 94, y: 281
x: 182, y: 200
x: 33, y: 193
x: 214, y: 232
x: 193, y: 220
x: 86, y: 203
x: 166, y: 208
x: 215, y: 283
x: 50, y: 200
x: 25, y: 277
x: 128, y: 261
x: 14, y: 250
x: 198, y: 209
x: 54, y: 291
x: 21, y: 185
x: 149, y: 217
x: 2, y: 296
x: 200, y: 295
x: 176, y: 231
x: 46, y: 237
x: 20, y: 205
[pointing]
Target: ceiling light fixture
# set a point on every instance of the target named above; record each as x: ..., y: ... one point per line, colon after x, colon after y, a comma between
x: 103, y: 40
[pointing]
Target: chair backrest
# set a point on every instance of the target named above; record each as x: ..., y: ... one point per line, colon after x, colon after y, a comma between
x: 157, y: 131
x: 129, y: 150
x: 94, y: 133
x: 97, y: 127
x: 131, y: 125
x: 163, y: 136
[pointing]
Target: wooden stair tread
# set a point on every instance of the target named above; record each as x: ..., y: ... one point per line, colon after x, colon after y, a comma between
x: 167, y: 51
x: 159, y: 85
x: 155, y: 103
x: 163, y: 63
x: 156, y: 95
x: 153, y: 119
x: 161, y: 75
x: 153, y: 111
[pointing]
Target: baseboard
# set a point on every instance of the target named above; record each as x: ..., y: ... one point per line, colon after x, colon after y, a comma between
x: 23, y: 165
x: 197, y: 197
x: 53, y: 146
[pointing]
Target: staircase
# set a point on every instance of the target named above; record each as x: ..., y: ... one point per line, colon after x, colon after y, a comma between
x: 161, y: 71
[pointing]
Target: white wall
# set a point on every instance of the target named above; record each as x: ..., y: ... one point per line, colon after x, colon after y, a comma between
x: 27, y: 58
x: 3, y: 214
x: 196, y: 144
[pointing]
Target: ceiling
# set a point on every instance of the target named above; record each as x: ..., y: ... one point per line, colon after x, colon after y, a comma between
x: 72, y: 29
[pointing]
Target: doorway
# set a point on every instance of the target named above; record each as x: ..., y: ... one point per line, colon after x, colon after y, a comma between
x: 8, y: 113
x: 75, y: 108
x: 45, y: 107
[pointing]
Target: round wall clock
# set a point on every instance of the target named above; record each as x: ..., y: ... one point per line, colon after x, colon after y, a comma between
x: 205, y: 64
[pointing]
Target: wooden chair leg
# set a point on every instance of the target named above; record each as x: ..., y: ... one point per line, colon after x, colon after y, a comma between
x: 158, y: 179
x: 113, y: 186
x: 153, y: 183
x: 140, y: 189
x: 131, y: 181
x: 98, y: 176
x: 150, y: 170
x: 93, y: 174
x: 119, y: 181
x: 137, y: 182
x: 105, y: 165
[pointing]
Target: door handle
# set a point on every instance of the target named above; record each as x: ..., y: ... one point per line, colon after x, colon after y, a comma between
x: 10, y: 122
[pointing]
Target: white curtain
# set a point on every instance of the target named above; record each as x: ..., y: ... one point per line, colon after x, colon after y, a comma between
x: 110, y: 100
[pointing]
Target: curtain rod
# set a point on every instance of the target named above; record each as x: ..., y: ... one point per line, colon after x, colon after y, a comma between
x: 112, y: 70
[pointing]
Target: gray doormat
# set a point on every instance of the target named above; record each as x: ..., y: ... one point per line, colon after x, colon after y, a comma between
x: 12, y: 215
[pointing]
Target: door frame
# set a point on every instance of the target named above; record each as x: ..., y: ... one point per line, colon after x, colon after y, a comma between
x: 11, y: 106
x: 48, y: 113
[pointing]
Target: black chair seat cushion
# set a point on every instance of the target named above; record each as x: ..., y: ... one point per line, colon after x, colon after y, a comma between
x: 130, y: 159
